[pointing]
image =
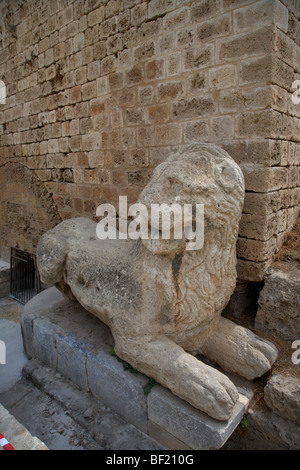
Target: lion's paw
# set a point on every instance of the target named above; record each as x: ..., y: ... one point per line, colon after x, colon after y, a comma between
x: 239, y: 350
x: 209, y: 390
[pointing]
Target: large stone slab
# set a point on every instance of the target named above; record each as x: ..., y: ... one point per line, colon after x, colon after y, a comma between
x: 282, y: 395
x: 279, y: 433
x: 189, y: 425
x: 63, y: 335
x: 279, y: 302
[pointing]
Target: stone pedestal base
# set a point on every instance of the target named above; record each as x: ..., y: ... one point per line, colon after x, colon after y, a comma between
x: 63, y: 335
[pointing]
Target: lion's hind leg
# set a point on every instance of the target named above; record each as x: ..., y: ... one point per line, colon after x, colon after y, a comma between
x: 201, y: 385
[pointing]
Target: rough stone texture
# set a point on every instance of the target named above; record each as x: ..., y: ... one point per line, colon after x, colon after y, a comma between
x: 279, y: 302
x: 92, y: 421
x: 109, y: 385
x: 88, y: 80
x: 281, y: 433
x: 265, y: 430
x: 108, y: 382
x: 65, y: 417
x: 162, y: 301
x: 282, y: 395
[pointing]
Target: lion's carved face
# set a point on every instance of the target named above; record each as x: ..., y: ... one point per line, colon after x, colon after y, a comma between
x: 197, y: 175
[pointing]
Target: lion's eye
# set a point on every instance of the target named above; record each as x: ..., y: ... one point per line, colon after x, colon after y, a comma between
x: 172, y: 180
x: 225, y: 175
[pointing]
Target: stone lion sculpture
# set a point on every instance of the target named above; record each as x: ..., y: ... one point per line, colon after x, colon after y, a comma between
x: 163, y: 302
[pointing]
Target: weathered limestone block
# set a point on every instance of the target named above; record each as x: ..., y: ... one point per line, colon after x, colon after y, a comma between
x: 282, y: 396
x: 162, y: 301
x: 279, y: 433
x: 279, y: 303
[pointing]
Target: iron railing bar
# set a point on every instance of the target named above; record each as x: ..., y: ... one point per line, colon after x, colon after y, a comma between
x: 24, y: 277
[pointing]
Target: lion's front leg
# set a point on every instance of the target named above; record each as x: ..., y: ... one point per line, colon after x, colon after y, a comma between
x: 239, y: 350
x: 202, y: 386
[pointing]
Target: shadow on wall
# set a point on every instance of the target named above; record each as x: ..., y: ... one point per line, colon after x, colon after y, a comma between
x: 27, y: 209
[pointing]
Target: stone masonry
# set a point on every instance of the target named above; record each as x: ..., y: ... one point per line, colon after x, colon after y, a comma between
x: 99, y: 92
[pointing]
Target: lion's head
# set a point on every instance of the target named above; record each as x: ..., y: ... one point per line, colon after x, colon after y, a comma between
x: 198, y: 174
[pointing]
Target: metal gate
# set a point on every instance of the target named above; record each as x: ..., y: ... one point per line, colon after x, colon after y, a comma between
x: 25, y: 281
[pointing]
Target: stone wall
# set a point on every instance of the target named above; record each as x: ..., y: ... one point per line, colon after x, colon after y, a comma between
x: 99, y: 92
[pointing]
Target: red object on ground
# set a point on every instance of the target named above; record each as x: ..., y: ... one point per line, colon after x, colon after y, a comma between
x: 5, y: 444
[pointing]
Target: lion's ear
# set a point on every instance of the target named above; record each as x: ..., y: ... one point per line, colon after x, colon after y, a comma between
x: 164, y: 247
x: 229, y: 176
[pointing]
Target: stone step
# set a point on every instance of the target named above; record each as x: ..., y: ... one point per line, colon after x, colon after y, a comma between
x: 64, y: 336
x: 102, y: 428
